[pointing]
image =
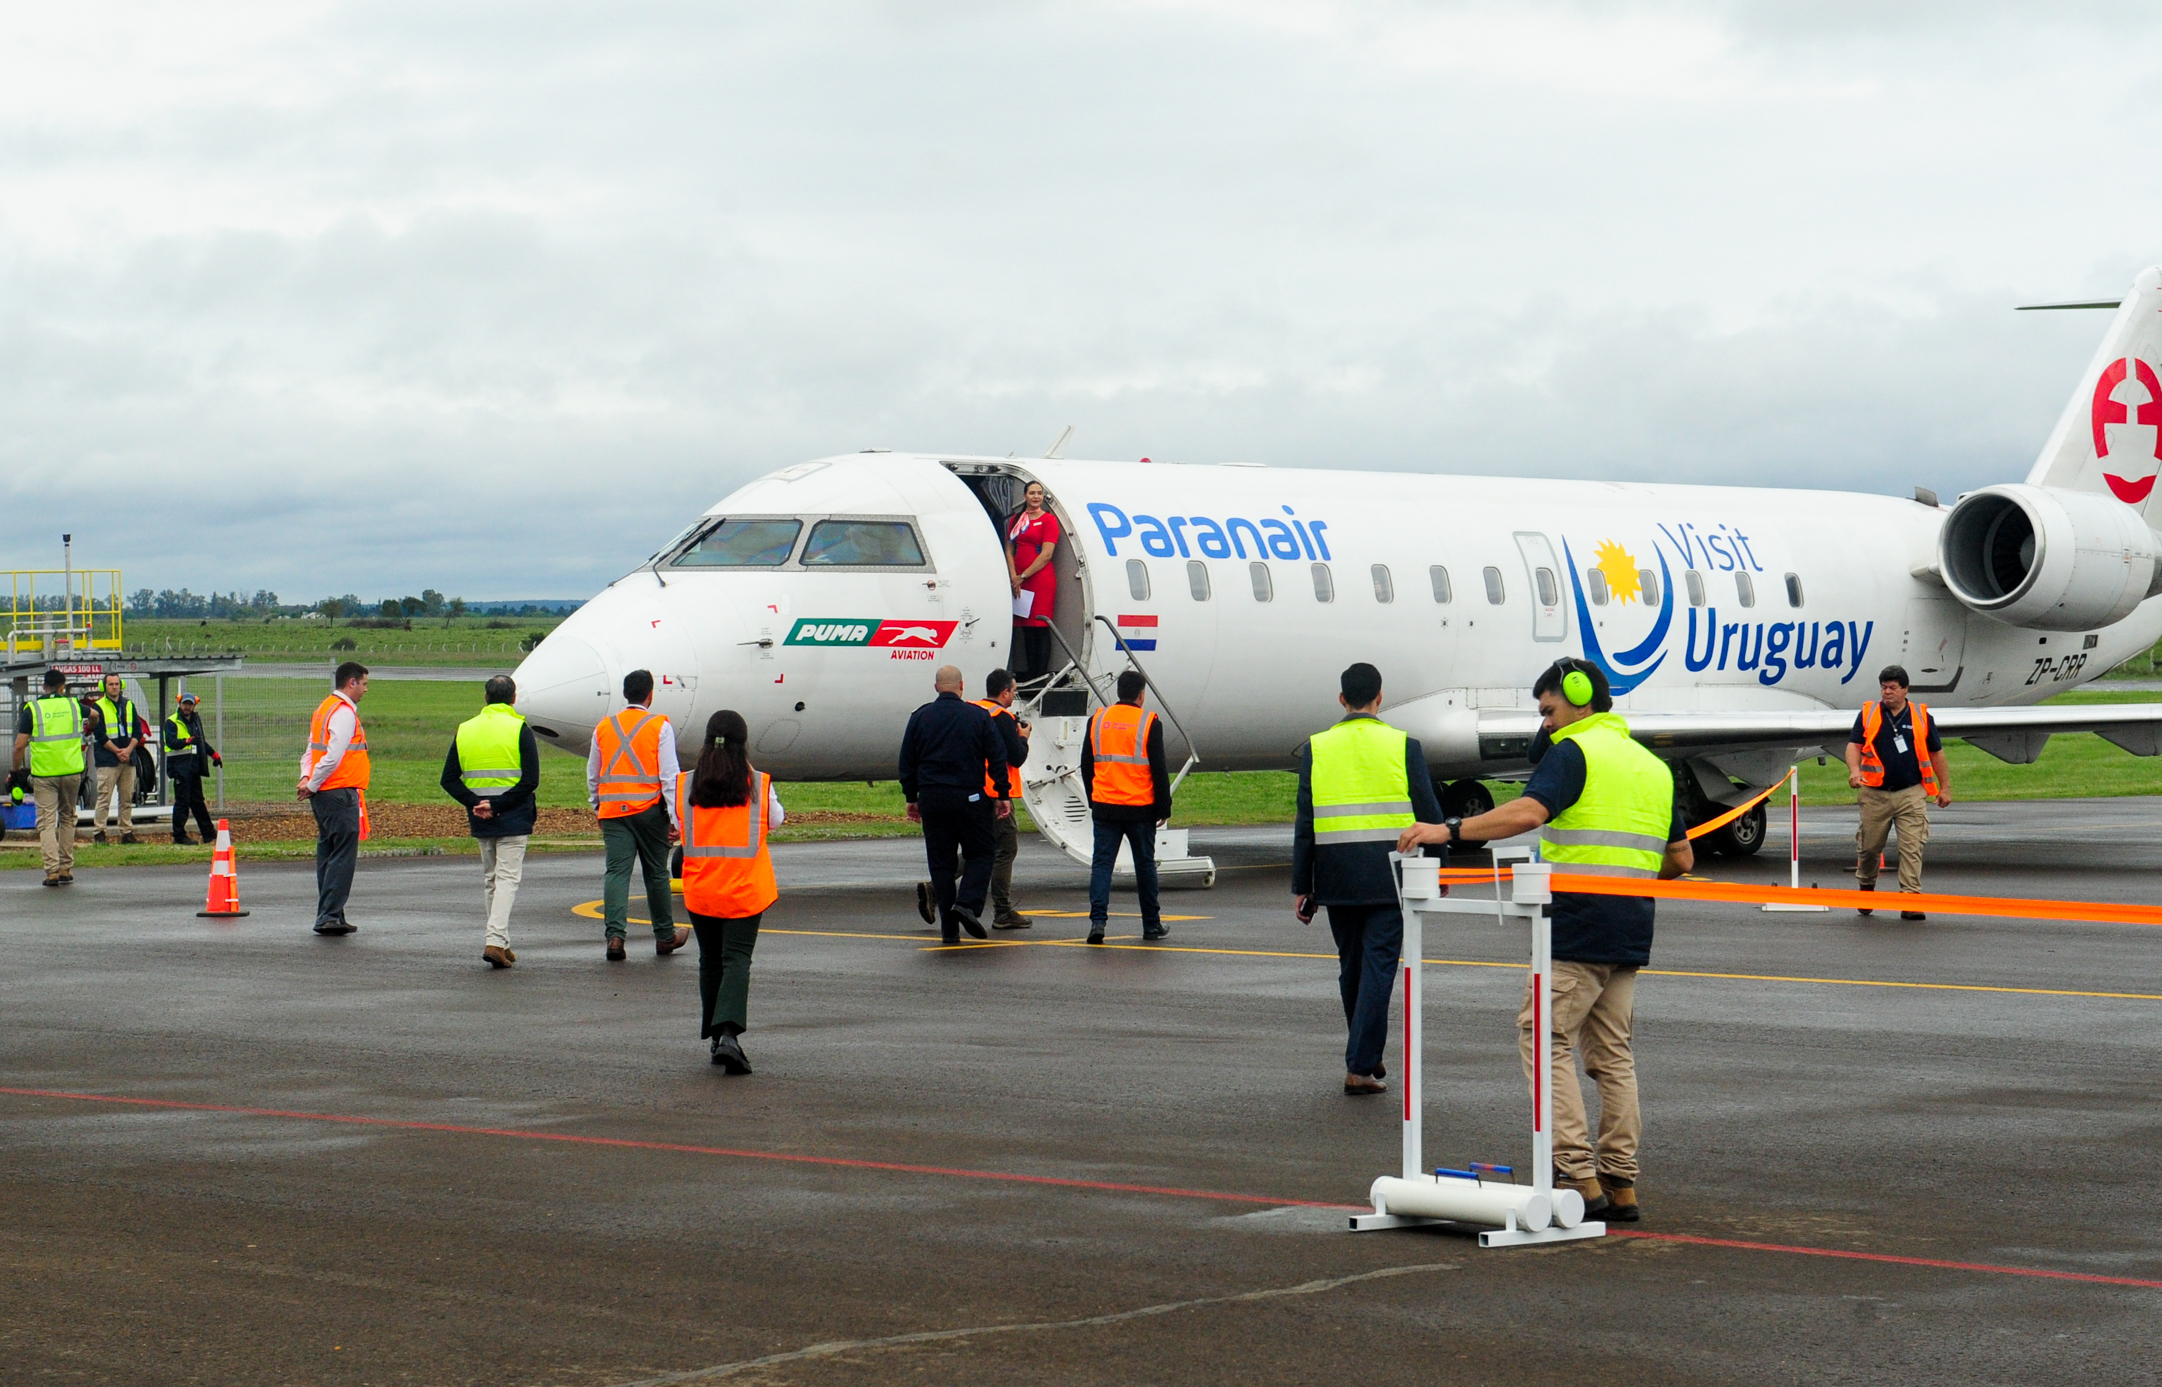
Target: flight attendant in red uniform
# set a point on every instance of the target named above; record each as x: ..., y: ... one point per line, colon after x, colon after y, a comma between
x: 1032, y: 537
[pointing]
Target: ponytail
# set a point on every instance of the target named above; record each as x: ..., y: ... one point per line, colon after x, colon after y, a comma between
x: 723, y: 777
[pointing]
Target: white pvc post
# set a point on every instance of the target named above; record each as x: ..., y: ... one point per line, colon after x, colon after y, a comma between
x: 1794, y: 849
x: 1414, y: 953
x: 1542, y: 1015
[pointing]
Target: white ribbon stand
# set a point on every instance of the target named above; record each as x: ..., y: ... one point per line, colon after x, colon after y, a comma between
x: 1512, y: 1215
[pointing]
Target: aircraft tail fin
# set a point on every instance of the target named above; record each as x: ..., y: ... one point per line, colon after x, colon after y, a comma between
x: 2110, y: 436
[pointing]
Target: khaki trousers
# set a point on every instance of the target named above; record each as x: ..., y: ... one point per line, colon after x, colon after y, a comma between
x: 502, y: 867
x: 1594, y: 1006
x: 56, y: 797
x: 123, y: 777
x: 1881, y: 809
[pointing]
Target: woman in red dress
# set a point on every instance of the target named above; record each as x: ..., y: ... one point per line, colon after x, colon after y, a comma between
x: 1032, y: 537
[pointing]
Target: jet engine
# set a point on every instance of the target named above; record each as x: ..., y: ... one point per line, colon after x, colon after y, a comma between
x: 2049, y: 559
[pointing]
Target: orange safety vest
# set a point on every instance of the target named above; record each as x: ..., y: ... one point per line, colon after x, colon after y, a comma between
x: 630, y: 743
x: 1119, y: 747
x: 1013, y: 773
x: 727, y: 871
x: 1873, y: 768
x: 352, y: 772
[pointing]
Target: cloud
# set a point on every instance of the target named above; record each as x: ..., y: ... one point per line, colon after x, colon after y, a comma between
x: 492, y: 298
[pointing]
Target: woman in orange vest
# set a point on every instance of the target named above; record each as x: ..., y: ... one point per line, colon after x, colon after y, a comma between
x: 726, y: 809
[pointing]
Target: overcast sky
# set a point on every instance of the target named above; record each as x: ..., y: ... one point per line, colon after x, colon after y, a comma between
x: 493, y: 297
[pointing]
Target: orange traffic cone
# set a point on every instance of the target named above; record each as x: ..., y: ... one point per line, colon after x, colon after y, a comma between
x: 224, y: 898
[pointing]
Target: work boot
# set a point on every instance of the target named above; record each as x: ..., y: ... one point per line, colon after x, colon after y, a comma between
x: 54, y: 879
x: 129, y: 839
x: 1012, y: 919
x: 1155, y: 932
x: 98, y: 837
x: 1621, y: 1200
x: 1096, y: 931
x: 182, y: 840
x: 498, y: 956
x: 1595, y: 1201
x: 1864, y: 886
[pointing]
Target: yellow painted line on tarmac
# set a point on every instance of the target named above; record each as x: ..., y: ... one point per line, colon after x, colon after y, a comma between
x: 592, y: 911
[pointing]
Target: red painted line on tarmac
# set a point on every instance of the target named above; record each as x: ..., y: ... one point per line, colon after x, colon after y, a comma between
x: 842, y: 1162
x: 1991, y: 1267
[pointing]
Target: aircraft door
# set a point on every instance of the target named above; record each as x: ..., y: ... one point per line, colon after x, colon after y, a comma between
x: 1543, y: 583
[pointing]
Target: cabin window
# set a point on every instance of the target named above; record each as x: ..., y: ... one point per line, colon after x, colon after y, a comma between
x: 1439, y: 577
x: 1745, y: 590
x: 1695, y: 582
x: 1137, y: 579
x: 1324, y: 585
x: 1549, y: 590
x: 1648, y: 587
x: 1264, y: 590
x: 1197, y: 579
x: 1595, y: 584
x: 1384, y: 585
x: 862, y: 544
x: 1495, y: 592
x: 1794, y: 589
x: 740, y: 543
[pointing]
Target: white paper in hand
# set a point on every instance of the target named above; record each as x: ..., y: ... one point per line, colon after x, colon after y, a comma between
x: 1025, y: 603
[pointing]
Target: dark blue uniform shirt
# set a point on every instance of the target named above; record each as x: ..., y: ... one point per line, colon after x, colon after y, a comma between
x: 1901, y: 768
x: 950, y: 745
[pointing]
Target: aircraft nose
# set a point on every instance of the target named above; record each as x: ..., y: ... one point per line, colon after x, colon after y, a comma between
x: 563, y: 689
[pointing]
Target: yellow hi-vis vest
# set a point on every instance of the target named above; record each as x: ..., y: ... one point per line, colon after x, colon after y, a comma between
x: 488, y: 755
x: 1358, y: 779
x: 1618, y: 827
x: 56, y: 737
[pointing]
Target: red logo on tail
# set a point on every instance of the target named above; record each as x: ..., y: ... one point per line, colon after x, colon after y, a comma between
x: 2107, y: 410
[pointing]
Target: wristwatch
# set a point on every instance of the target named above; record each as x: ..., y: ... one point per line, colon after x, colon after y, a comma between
x: 1455, y: 827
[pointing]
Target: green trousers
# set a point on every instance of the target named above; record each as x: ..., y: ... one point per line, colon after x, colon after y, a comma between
x: 633, y: 840
x: 724, y: 971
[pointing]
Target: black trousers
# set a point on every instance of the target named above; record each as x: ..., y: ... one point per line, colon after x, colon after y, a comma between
x: 187, y: 799
x: 1031, y: 652
x: 952, y: 822
x: 1369, y: 939
x: 337, y: 848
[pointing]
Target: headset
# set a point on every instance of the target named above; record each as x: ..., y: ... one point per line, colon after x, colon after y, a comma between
x: 1576, y: 685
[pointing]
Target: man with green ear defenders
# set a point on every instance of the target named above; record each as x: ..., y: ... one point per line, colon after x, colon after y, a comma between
x: 1604, y: 806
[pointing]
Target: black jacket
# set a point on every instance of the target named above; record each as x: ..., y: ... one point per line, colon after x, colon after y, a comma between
x: 951, y: 745
x: 516, y: 811
x: 1354, y: 873
x: 1159, y: 777
x: 193, y: 758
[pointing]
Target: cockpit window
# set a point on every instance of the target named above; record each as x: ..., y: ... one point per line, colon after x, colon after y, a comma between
x: 741, y: 543
x: 863, y: 543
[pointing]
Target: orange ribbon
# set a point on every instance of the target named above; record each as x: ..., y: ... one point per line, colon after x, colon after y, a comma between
x: 1732, y: 814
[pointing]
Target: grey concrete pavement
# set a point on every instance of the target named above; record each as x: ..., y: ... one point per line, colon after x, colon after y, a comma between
x: 1869, y: 1103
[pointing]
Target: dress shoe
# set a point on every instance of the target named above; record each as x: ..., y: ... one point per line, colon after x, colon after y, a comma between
x: 1912, y: 915
x: 1096, y: 933
x: 129, y: 838
x: 950, y: 940
x: 729, y: 1055
x: 1865, y: 886
x: 665, y: 947
x: 498, y: 956
x: 1381, y: 1071
x: 182, y: 840
x: 615, y: 949
x: 336, y: 927
x: 969, y: 922
x: 1622, y: 1203
x: 1016, y: 920
x: 1155, y: 932
x: 1363, y: 1085
x: 925, y: 905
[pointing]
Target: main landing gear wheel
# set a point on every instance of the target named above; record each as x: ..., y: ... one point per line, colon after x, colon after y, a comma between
x: 1464, y: 799
x: 1741, y: 838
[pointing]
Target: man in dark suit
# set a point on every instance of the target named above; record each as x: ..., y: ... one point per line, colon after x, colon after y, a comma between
x: 948, y: 755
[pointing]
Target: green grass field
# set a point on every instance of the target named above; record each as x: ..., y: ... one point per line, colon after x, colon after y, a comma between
x: 473, y: 640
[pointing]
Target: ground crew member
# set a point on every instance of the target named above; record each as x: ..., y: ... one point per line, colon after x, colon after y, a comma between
x: 185, y: 766
x: 334, y: 782
x: 1129, y: 790
x: 48, y: 762
x: 1605, y: 807
x: 1361, y: 783
x: 1894, y: 782
x: 997, y: 700
x: 120, y: 731
x: 493, y: 769
x: 727, y: 809
x: 953, y: 774
x: 633, y: 760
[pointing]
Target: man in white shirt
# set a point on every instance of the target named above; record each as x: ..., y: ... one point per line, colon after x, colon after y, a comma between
x: 334, y: 782
x: 631, y: 777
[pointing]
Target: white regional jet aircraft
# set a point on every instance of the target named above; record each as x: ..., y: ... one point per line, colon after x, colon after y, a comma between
x: 1741, y: 626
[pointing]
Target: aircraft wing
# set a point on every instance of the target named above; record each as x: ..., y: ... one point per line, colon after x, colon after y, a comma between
x: 2016, y: 735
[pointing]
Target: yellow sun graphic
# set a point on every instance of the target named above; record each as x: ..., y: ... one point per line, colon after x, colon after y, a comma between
x: 1620, y: 571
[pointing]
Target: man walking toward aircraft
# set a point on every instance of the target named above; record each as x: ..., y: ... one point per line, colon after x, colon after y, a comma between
x: 1605, y: 807
x: 1129, y: 790
x: 1361, y: 783
x: 630, y: 776
x: 1894, y: 780
x: 953, y: 774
